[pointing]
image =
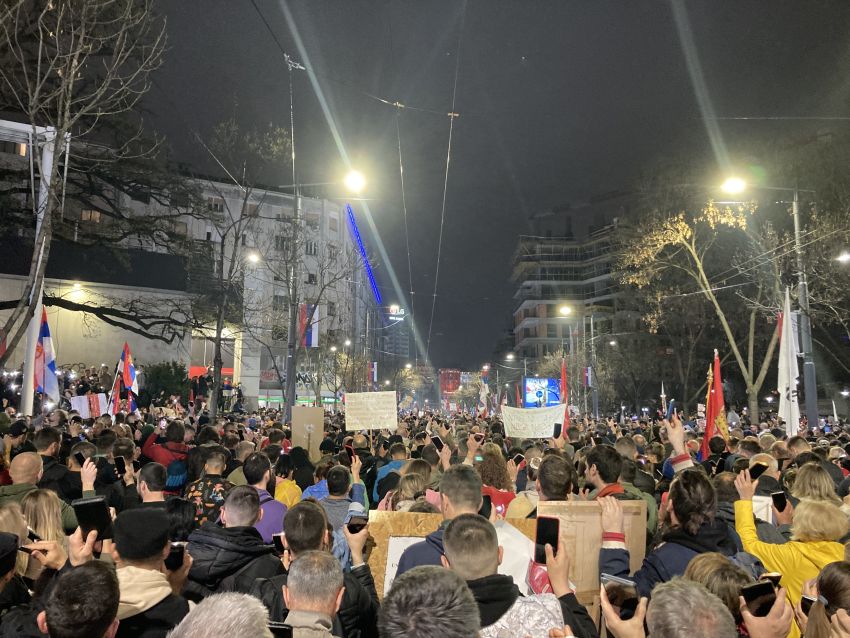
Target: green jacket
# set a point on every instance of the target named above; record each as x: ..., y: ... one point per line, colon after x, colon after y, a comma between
x: 651, y: 507
x: 16, y: 493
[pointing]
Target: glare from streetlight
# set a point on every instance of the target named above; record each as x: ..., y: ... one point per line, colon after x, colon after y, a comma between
x: 510, y: 356
x: 843, y: 258
x: 408, y: 366
x: 333, y: 348
x: 386, y: 381
x: 612, y: 342
x: 347, y: 343
x: 485, y: 367
x: 253, y: 258
x: 845, y: 393
x: 734, y: 185
x: 354, y: 181
x: 565, y: 310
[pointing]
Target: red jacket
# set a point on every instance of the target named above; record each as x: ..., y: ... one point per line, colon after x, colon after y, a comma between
x: 164, y: 453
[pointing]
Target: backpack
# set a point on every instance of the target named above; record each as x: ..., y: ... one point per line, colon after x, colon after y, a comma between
x: 177, y: 474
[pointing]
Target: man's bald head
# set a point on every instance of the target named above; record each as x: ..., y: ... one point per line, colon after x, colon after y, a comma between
x: 359, y: 442
x: 26, y: 468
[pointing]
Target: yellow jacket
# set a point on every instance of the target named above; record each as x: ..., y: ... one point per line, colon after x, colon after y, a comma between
x: 797, y: 561
x: 287, y: 492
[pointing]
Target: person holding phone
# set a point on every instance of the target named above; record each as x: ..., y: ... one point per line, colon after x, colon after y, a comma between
x: 150, y: 598
x: 817, y: 529
x: 472, y: 550
x: 306, y: 530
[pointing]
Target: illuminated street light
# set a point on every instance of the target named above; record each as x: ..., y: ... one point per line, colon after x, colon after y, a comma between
x: 408, y: 366
x: 510, y: 356
x: 565, y: 310
x: 354, y: 181
x: 347, y: 343
x: 769, y: 399
x: 734, y: 186
x: 333, y: 348
x: 612, y: 342
x: 843, y: 258
x: 253, y: 258
x: 386, y: 381
x: 845, y: 393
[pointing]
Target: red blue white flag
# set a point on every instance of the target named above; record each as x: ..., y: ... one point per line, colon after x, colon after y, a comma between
x: 45, y: 362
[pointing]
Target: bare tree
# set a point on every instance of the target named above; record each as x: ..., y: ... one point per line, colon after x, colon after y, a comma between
x: 69, y: 65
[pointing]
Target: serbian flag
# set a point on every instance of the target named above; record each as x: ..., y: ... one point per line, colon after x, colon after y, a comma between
x: 307, y: 328
x: 715, y: 410
x: 128, y: 370
x: 45, y: 380
x: 565, y: 398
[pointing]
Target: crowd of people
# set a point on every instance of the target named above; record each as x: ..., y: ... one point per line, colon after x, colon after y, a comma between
x: 219, y: 526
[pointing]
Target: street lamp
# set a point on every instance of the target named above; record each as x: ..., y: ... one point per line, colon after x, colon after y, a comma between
x: 333, y: 348
x: 408, y: 366
x: 348, y: 343
x: 510, y: 356
x: 354, y: 181
x: 386, y: 381
x: 253, y: 258
x: 843, y: 258
x: 736, y: 185
x: 845, y: 393
x: 612, y: 342
x: 565, y: 310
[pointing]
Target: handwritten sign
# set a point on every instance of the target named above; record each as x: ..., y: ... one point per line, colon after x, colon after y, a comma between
x: 371, y: 411
x: 533, y: 423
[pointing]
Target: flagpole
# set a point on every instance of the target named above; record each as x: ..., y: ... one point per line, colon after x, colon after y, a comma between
x: 112, y: 387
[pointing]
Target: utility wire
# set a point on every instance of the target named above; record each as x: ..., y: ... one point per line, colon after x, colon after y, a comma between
x: 341, y: 82
x: 452, y: 117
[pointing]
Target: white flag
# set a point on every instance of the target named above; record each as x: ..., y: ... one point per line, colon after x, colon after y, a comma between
x: 789, y: 408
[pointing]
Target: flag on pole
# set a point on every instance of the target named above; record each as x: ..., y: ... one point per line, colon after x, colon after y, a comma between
x: 483, y: 393
x: 128, y: 370
x: 789, y: 373
x: 518, y: 396
x: 588, y: 377
x: 307, y: 328
x: 45, y: 380
x: 565, y: 398
x: 715, y: 417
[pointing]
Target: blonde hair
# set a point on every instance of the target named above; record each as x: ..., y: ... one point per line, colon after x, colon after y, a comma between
x: 42, y: 510
x: 814, y: 483
x: 721, y: 577
x: 817, y: 520
x: 12, y: 521
x: 410, y: 488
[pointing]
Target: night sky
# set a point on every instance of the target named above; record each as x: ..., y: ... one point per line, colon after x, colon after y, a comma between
x: 558, y: 100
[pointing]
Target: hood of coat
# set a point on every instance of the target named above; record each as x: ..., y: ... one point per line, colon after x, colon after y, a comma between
x: 140, y: 589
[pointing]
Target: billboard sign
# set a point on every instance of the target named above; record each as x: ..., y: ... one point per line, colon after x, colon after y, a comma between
x: 540, y: 393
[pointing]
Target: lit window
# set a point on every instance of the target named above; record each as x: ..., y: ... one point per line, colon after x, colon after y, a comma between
x: 88, y: 215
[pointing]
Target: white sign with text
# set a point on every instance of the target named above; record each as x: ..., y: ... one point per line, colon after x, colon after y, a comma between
x: 371, y: 411
x: 532, y: 423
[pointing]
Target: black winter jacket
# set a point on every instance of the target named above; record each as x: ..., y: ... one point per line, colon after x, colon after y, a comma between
x: 155, y: 622
x: 227, y: 559
x: 358, y: 613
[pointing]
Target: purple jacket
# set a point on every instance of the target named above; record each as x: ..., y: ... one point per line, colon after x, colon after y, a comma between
x: 273, y: 513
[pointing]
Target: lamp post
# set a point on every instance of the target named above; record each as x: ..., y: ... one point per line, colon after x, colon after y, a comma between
x: 736, y: 185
